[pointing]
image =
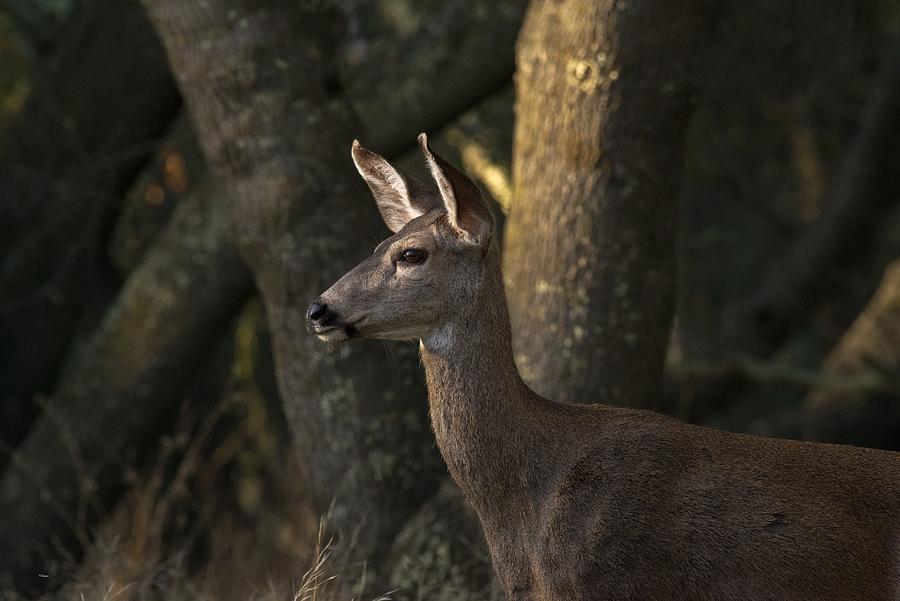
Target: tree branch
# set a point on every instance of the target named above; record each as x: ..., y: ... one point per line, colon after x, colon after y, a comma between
x: 442, y: 52
x: 867, y: 416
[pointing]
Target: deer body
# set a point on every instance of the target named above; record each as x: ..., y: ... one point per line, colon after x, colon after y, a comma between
x: 589, y: 502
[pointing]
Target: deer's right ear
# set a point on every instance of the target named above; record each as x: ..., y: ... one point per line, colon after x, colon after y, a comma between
x: 399, y: 198
x: 465, y: 206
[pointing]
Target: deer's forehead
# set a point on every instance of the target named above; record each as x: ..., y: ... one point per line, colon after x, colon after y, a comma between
x: 426, y: 225
x: 423, y: 231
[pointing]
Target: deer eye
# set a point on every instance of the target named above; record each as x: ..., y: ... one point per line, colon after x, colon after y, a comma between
x: 413, y: 256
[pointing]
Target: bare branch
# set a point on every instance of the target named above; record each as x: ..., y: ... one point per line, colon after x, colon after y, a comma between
x: 867, y: 416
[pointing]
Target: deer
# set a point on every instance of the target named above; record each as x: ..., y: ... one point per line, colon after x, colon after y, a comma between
x: 588, y: 501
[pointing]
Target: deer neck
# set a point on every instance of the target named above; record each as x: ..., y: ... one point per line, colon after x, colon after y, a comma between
x: 478, y: 403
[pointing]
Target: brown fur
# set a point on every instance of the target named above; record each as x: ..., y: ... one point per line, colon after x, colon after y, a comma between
x: 590, y: 502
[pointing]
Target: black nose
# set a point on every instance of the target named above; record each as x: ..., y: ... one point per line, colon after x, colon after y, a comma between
x: 316, y: 311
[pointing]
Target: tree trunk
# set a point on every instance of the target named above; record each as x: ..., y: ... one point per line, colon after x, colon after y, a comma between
x: 120, y: 393
x: 258, y: 89
x: 605, y: 91
x: 869, y: 349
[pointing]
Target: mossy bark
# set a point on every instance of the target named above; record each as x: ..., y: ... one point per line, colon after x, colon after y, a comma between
x: 605, y: 91
x: 441, y: 554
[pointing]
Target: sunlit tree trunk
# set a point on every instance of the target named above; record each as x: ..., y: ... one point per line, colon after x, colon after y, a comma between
x: 605, y: 90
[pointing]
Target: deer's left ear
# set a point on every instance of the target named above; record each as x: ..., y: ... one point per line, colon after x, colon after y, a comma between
x: 468, y: 212
x: 399, y: 198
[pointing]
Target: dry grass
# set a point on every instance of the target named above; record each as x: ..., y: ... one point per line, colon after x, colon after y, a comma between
x: 107, y: 578
x: 244, y: 560
x: 321, y: 582
x: 210, y: 520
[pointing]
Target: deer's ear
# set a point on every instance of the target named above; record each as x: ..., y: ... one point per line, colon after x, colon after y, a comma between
x: 468, y: 212
x: 399, y: 198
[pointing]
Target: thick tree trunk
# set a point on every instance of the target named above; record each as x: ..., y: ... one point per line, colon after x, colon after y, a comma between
x: 256, y: 83
x: 605, y: 91
x: 870, y: 349
x: 99, y: 98
x: 120, y: 393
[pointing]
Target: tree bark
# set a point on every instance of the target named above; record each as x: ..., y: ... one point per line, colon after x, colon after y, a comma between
x: 120, y: 393
x: 605, y: 91
x: 441, y: 554
x: 66, y: 161
x: 870, y: 348
x: 257, y: 86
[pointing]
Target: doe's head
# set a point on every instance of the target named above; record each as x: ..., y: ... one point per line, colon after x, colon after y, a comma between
x: 432, y: 265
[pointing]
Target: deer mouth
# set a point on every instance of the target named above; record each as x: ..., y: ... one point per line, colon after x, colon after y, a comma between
x: 336, y: 332
x: 333, y: 334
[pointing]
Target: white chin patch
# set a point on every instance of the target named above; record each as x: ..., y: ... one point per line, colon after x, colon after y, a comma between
x: 335, y: 335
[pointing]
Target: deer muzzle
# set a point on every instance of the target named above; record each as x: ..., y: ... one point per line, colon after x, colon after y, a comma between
x: 326, y: 323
